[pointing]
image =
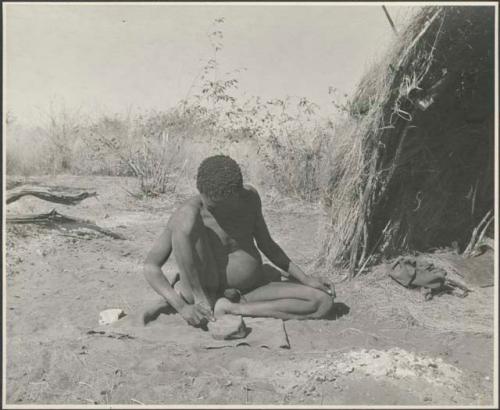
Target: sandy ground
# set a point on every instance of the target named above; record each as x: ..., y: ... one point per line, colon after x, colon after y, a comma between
x: 385, y: 346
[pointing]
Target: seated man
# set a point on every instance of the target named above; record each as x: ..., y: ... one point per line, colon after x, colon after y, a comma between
x: 213, y: 237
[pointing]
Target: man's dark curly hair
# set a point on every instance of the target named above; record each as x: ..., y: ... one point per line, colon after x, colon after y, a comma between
x: 218, y: 177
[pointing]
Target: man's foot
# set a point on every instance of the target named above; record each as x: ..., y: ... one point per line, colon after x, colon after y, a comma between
x: 222, y: 307
x: 234, y: 295
x: 152, y: 311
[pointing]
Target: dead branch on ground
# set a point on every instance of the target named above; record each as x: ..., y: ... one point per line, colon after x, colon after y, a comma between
x: 55, y: 218
x: 58, y: 198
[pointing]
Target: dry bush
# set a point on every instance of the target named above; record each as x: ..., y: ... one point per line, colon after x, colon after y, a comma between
x: 141, y: 146
x: 275, y: 145
x: 27, y: 150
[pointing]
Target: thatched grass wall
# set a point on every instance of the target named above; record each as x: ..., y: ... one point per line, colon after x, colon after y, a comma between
x: 419, y: 170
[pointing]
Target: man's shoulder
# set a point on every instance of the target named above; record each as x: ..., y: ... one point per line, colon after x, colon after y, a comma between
x: 252, y: 193
x: 186, y: 214
x: 250, y: 190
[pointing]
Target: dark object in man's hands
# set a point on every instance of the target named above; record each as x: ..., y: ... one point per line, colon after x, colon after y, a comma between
x: 196, y: 315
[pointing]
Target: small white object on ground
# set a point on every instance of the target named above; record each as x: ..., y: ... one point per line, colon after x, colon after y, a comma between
x: 109, y: 316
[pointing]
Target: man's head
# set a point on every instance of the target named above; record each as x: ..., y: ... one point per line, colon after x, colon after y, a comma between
x: 219, y: 178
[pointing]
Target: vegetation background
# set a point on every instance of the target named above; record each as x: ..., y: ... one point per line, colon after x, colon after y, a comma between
x: 287, y: 144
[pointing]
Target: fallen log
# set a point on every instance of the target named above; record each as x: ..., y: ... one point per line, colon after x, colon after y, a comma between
x: 58, y: 198
x: 55, y: 218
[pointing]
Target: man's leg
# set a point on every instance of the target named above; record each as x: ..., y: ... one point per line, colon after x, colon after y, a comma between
x: 206, y: 267
x: 269, y: 274
x: 209, y: 280
x: 282, y: 300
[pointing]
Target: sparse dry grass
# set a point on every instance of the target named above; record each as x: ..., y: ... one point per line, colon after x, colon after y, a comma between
x: 161, y: 148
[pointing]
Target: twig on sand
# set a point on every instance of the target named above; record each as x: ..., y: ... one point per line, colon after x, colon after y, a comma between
x: 75, y: 236
x: 136, y: 196
x: 81, y: 361
x: 138, y: 402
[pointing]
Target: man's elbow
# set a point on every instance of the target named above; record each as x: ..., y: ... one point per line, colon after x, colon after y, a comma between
x: 150, y: 268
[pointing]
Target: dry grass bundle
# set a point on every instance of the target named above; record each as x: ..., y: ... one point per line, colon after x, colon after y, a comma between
x: 419, y: 170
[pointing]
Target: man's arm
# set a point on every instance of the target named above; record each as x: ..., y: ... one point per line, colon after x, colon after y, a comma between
x: 277, y: 256
x: 185, y: 238
x: 156, y: 258
x: 195, y: 315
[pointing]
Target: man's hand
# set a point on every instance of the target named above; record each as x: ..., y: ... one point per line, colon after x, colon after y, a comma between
x: 196, y: 315
x: 321, y: 284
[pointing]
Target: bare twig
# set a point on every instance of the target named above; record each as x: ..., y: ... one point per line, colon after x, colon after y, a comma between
x: 137, y: 196
x: 390, y: 20
x: 138, y: 402
x: 74, y: 236
x: 478, y: 233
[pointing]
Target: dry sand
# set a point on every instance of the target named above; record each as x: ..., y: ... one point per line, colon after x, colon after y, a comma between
x: 391, y: 347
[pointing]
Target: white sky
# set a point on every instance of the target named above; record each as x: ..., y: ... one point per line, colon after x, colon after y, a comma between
x: 110, y: 58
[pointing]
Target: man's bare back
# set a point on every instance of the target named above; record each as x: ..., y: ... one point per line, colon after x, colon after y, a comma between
x: 216, y: 245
